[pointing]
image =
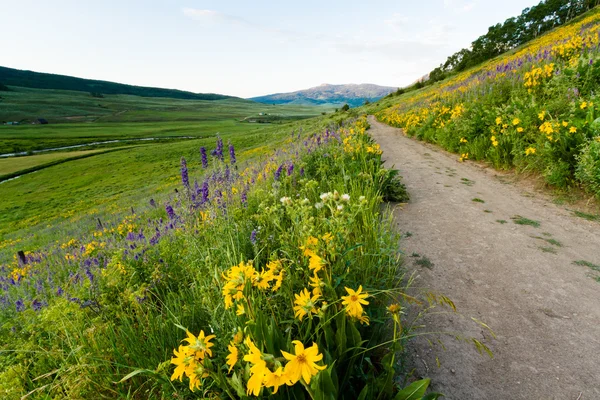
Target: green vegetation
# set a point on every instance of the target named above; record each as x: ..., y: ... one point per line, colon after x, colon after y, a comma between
x: 534, y: 108
x: 39, y: 80
x: 501, y: 221
x: 273, y: 252
x: 424, y: 262
x: 589, y: 217
x: 517, y: 219
x: 477, y: 200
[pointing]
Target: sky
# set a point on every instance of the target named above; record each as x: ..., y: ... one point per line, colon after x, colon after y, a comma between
x: 243, y: 48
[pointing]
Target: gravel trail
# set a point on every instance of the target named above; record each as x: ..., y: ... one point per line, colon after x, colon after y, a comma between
x: 519, y: 279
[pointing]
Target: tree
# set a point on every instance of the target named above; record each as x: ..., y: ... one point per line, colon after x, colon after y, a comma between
x: 345, y: 107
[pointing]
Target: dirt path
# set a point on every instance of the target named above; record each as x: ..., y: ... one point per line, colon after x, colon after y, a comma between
x: 544, y: 310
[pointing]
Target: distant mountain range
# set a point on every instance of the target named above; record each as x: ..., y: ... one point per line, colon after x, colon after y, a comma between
x: 39, y: 80
x: 333, y: 95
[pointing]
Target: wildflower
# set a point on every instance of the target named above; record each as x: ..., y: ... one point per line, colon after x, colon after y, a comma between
x: 315, y: 263
x: 240, y: 310
x: 498, y: 121
x: 233, y: 355
x: 200, y: 345
x: 394, y: 308
x: 463, y: 140
x: 326, y: 196
x: 318, y: 206
x: 232, y: 159
x: 520, y: 130
x: 290, y: 169
x: 238, y: 337
x: 345, y: 197
x: 463, y: 157
x: 286, y: 201
x: 494, y: 141
x: 218, y: 151
x: 572, y: 129
x: 203, y: 157
x: 516, y: 121
x: 278, y: 172
x: 316, y: 283
x: 170, y: 211
x: 253, y: 236
x: 184, y: 362
x: 354, y: 301
x: 583, y: 105
x: 258, y: 370
x: 184, y: 173
x: 542, y: 115
x: 529, y: 150
x: 276, y: 379
x: 565, y: 124
x: 303, y: 363
x: 305, y: 304
x: 340, y: 207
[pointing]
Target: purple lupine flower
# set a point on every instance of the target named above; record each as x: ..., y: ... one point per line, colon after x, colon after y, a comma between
x: 232, y: 159
x: 59, y: 291
x: 152, y: 203
x: 185, y: 179
x: 218, y: 151
x: 204, y: 193
x: 19, y: 305
x: 290, y: 169
x: 278, y: 172
x: 170, y: 211
x: 204, y: 157
x: 244, y: 197
x: 253, y: 236
x: 37, y: 305
x: 227, y: 174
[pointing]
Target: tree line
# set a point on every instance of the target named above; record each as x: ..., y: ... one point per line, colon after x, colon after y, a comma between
x: 514, y: 32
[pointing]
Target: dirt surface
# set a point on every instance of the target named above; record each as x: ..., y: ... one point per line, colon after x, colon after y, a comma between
x: 519, y: 279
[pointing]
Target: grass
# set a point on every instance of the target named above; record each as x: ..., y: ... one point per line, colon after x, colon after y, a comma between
x: 589, y: 217
x: 501, y: 221
x: 424, y: 262
x: 467, y: 182
x: 477, y: 200
x: 548, y: 250
x: 519, y: 220
x: 551, y: 241
x: 487, y: 211
x: 10, y: 165
x: 592, y: 266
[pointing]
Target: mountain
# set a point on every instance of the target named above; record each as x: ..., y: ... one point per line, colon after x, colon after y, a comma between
x: 39, y: 80
x: 326, y: 94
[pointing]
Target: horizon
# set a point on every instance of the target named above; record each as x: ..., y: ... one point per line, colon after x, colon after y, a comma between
x: 353, y: 43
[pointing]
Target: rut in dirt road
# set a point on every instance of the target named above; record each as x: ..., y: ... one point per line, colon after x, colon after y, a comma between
x: 520, y: 279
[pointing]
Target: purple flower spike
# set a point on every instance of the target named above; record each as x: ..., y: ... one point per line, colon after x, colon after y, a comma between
x: 170, y: 211
x: 232, y: 159
x: 19, y: 305
x: 290, y: 169
x: 204, y: 157
x: 184, y: 173
x: 204, y: 193
x: 253, y: 236
x: 278, y: 172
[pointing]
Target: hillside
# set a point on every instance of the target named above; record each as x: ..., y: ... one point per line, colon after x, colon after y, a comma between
x: 533, y: 109
x: 326, y: 94
x: 39, y: 80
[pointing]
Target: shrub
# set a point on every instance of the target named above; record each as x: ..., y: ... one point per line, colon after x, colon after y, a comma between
x: 588, y: 167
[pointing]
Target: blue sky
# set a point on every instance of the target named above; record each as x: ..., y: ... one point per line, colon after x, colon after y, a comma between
x: 243, y: 48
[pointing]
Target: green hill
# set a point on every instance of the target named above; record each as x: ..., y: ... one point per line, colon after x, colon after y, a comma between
x: 39, y: 80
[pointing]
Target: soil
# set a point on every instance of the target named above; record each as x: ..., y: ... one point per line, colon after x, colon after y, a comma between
x: 520, y: 280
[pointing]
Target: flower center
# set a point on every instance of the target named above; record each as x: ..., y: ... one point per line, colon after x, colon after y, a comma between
x: 301, y: 358
x: 354, y: 297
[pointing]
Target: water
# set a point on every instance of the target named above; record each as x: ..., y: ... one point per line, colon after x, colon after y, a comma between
x: 75, y: 146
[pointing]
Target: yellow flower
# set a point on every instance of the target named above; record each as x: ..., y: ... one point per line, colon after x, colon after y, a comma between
x: 529, y: 150
x: 232, y: 357
x: 464, y: 156
x: 240, y: 310
x: 278, y: 281
x: 498, y: 120
x: 261, y: 279
x: 516, y: 121
x: 200, y: 346
x: 316, y: 283
x: 394, y: 308
x: 565, y: 124
x: 238, y: 337
x: 315, y: 263
x: 353, y: 302
x: 494, y: 141
x: 303, y: 363
x: 542, y: 115
x: 305, y: 304
x: 583, y: 105
x: 258, y: 370
x: 184, y: 361
x: 463, y: 140
x: 520, y: 130
x: 572, y: 129
x: 276, y: 379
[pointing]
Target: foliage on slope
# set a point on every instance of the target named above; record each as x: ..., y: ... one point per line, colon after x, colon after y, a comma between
x: 535, y: 109
x: 283, y: 275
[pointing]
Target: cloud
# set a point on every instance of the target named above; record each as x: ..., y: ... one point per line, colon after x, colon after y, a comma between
x: 460, y: 6
x: 397, y: 21
x: 212, y: 16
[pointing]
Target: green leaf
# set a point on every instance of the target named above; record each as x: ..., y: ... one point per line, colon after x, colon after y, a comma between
x: 415, y: 391
x: 364, y: 392
x: 432, y: 396
x: 134, y: 373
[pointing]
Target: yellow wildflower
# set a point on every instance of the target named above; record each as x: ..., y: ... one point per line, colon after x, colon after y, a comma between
x: 200, y: 345
x: 542, y: 115
x: 316, y: 263
x: 184, y: 361
x: 303, y: 365
x: 583, y: 105
x: 305, y: 304
x: 572, y: 129
x: 498, y: 120
x: 516, y: 121
x: 529, y: 150
x: 232, y: 357
x: 520, y: 130
x: 464, y: 156
x: 240, y: 310
x: 565, y: 124
x: 316, y: 283
x: 353, y: 302
x: 463, y: 140
x: 276, y: 379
